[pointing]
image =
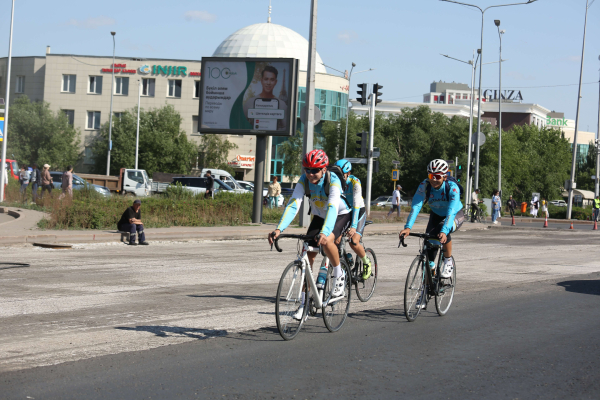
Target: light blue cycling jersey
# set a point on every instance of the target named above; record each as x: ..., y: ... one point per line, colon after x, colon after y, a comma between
x: 321, y: 205
x: 441, y: 203
x: 354, y: 196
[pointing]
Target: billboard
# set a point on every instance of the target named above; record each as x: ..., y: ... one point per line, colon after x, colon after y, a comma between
x: 248, y: 96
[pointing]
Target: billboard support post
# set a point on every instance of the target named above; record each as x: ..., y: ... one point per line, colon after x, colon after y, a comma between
x: 309, y: 127
x: 259, y: 178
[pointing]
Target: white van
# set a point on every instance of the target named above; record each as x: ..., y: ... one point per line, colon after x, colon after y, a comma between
x: 224, y: 176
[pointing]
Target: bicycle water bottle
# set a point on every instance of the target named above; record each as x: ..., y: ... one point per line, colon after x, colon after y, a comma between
x: 322, y: 277
x: 349, y: 260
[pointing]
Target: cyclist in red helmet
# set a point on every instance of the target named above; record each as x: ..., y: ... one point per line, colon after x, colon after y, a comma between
x: 331, y: 215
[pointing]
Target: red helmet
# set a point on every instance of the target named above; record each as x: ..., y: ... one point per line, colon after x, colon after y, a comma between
x: 315, y: 159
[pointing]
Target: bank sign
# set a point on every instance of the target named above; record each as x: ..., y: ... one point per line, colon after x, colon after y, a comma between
x: 164, y: 70
x: 557, y: 122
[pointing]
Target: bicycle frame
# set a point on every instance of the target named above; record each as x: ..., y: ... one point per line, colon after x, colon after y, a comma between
x: 309, y: 279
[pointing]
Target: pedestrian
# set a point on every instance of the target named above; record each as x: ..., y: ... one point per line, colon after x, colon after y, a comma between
x: 512, y: 204
x: 131, y: 221
x: 274, y: 192
x: 535, y: 204
x: 474, y: 204
x: 545, y: 207
x: 396, y: 199
x: 67, y: 182
x: 47, y: 180
x: 496, y: 205
x: 5, y: 180
x: 596, y: 206
x: 36, y: 179
x: 210, y: 182
x: 24, y: 181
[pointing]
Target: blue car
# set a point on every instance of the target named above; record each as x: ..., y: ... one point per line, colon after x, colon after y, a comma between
x: 78, y: 183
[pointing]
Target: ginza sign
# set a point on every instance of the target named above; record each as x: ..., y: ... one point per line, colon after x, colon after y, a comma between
x: 506, y: 94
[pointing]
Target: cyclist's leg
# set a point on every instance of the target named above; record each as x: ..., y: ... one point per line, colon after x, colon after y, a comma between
x: 434, y: 227
x: 355, y: 240
x: 313, y: 230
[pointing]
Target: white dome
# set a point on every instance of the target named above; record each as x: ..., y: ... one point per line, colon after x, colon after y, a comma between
x: 268, y: 40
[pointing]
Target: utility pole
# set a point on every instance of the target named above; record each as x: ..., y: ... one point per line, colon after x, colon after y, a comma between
x: 110, y: 117
x: 137, y: 133
x: 9, y: 63
x: 597, y: 186
x: 370, y: 152
x: 348, y: 108
x: 309, y: 127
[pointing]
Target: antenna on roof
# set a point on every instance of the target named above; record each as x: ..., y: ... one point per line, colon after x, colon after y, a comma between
x: 269, y: 19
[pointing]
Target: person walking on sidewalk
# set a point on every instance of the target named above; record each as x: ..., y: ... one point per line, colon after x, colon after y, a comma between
x: 47, y: 180
x: 131, y: 221
x: 545, y: 208
x: 24, y: 181
x: 67, y: 182
x: 475, y: 204
x: 535, y: 205
x: 273, y: 193
x: 496, y: 205
x: 512, y: 205
x: 395, y: 201
x: 596, y: 206
x: 210, y: 183
x: 36, y: 179
x: 5, y: 181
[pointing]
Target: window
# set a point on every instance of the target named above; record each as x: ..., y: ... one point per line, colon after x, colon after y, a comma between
x: 70, y: 116
x: 194, y: 124
x: 148, y: 87
x: 93, y: 121
x: 68, y: 85
x: 174, y: 88
x: 20, y: 84
x: 88, y: 156
x: 95, y: 85
x: 117, y: 115
x: 196, y: 89
x: 135, y: 176
x: 122, y: 86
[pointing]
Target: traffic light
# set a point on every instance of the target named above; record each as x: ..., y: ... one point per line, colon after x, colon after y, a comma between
x: 459, y: 172
x: 376, y: 93
x: 362, y: 143
x: 472, y: 169
x: 375, y: 166
x: 362, y: 93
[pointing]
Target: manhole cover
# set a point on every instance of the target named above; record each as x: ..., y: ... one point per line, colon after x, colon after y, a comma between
x: 54, y: 246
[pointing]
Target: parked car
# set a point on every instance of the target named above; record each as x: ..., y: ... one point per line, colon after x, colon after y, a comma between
x: 198, y: 185
x: 386, y: 201
x: 250, y: 186
x: 78, y: 183
x: 558, y: 203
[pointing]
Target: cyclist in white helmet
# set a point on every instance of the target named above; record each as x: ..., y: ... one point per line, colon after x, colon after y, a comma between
x: 443, y: 195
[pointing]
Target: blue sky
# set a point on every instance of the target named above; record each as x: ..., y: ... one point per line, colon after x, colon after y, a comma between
x: 402, y: 39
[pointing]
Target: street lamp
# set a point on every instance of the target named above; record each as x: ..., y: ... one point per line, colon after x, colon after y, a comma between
x: 112, y: 91
x: 480, y: 63
x: 500, y: 33
x: 8, y: 65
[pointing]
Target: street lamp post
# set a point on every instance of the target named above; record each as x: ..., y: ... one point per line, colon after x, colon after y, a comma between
x: 574, y: 162
x: 137, y: 133
x: 480, y: 64
x: 500, y: 33
x: 348, y: 108
x: 597, y: 186
x: 110, y: 117
x: 8, y: 65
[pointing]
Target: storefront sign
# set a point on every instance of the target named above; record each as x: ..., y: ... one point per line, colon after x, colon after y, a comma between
x: 119, y: 68
x: 506, y: 94
x: 242, y: 162
x: 557, y: 121
x: 167, y: 70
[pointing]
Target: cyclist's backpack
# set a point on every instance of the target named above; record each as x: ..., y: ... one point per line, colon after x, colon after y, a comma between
x: 340, y: 174
x: 448, y: 179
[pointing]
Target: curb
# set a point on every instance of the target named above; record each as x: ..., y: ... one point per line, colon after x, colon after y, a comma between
x: 16, y: 215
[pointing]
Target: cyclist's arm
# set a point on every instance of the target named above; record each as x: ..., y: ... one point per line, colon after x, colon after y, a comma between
x: 293, y: 205
x: 358, y: 203
x: 333, y: 202
x: 454, y: 206
x: 417, y: 204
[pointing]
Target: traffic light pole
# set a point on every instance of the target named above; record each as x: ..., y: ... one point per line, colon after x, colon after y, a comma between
x: 370, y: 155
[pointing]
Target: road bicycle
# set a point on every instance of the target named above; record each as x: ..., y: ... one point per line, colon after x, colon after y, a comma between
x: 297, y: 278
x: 364, y: 288
x: 423, y: 282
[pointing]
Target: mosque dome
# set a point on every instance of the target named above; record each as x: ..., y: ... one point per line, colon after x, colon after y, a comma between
x: 268, y: 40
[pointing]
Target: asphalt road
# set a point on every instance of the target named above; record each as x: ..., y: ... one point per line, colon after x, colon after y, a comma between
x: 535, y: 340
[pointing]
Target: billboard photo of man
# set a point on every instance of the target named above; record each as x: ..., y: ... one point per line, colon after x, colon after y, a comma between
x: 268, y: 111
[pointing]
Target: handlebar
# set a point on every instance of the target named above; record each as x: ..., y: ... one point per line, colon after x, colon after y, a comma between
x: 304, y: 238
x: 419, y: 235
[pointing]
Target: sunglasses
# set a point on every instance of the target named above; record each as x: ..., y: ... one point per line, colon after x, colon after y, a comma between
x: 312, y: 171
x: 436, y: 177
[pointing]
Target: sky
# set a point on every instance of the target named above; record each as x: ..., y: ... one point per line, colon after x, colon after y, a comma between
x: 401, y: 39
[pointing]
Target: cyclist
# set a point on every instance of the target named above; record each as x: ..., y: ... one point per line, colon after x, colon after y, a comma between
x: 446, y: 214
x: 331, y: 215
x: 353, y: 194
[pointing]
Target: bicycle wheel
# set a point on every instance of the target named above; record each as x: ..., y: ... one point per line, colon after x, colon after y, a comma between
x: 445, y: 292
x: 414, y: 289
x: 289, y: 298
x: 336, y: 310
x: 365, y: 289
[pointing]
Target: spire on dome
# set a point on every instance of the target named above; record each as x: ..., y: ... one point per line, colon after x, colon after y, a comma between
x: 269, y: 19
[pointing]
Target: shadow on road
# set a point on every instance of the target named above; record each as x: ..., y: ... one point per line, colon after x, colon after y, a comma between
x: 237, y: 297
x: 169, y: 331
x: 582, y: 286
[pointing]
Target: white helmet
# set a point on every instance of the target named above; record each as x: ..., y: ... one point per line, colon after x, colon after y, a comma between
x: 437, y: 166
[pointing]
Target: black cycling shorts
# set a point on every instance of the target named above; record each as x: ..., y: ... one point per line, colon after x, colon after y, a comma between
x: 341, y: 224
x: 436, y: 223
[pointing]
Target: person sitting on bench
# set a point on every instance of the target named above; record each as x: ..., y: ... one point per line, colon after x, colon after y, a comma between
x: 131, y: 221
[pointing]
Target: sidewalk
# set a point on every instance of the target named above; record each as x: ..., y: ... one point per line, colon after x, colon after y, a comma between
x: 24, y: 230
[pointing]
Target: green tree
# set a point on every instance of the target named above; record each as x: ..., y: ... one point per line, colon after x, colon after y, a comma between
x: 163, y: 146
x: 215, y: 150
x: 36, y: 134
x: 586, y: 168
